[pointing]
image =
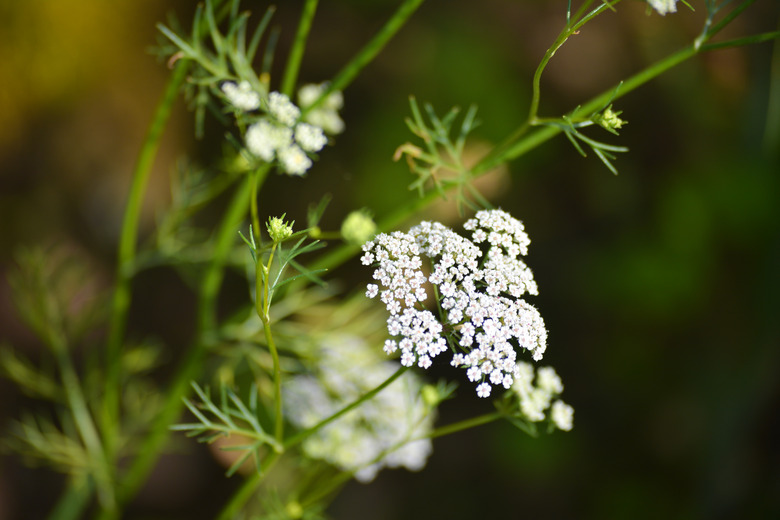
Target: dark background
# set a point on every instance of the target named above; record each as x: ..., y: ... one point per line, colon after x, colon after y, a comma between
x: 659, y: 286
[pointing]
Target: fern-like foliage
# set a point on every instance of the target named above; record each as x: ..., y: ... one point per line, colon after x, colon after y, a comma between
x: 229, y: 416
x: 440, y: 163
x: 219, y: 56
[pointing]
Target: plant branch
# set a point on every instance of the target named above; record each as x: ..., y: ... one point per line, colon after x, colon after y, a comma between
x: 127, y: 251
x: 301, y: 436
x: 368, y: 52
x: 187, y: 371
x: 299, y: 45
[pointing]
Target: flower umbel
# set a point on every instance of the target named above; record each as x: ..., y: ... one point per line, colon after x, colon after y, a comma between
x: 279, y: 135
x: 374, y: 435
x: 478, y: 285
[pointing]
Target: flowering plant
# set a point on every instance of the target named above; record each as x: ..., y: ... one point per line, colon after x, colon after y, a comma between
x: 304, y: 399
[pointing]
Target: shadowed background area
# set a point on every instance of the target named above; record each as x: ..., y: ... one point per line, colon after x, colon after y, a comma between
x: 659, y: 286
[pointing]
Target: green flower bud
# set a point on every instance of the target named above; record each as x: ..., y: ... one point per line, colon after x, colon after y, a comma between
x: 431, y: 396
x: 294, y: 509
x: 278, y: 230
x: 358, y: 227
x: 609, y: 120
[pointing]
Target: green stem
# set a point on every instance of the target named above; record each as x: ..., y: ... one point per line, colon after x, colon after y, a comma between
x: 263, y: 308
x: 127, y: 251
x: 73, y: 501
x: 536, y: 81
x: 738, y: 42
x: 250, y: 484
x: 369, y: 51
x: 264, y: 311
x: 340, y: 479
x: 771, y: 142
x: 254, y: 189
x: 515, y: 145
x: 337, y: 256
x: 709, y: 33
x: 301, y: 436
x: 209, y: 289
x: 247, y: 488
x: 511, y: 151
x: 299, y: 45
x: 88, y: 432
x: 333, y: 484
x: 463, y: 425
x: 559, y: 41
x: 278, y: 418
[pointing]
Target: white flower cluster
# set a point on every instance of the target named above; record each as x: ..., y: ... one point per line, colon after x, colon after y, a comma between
x: 379, y: 433
x: 326, y: 114
x: 536, y: 399
x: 280, y: 135
x: 482, y: 313
x: 663, y: 6
x: 241, y: 96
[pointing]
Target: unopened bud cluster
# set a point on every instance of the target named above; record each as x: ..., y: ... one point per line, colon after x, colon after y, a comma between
x: 278, y: 229
x: 610, y: 120
x: 477, y: 283
x: 358, y: 227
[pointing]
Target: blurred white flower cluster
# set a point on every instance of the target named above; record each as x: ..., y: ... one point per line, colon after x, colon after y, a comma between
x: 281, y: 134
x: 478, y: 296
x: 663, y: 6
x: 241, y: 96
x: 535, y: 399
x: 379, y: 433
x: 326, y: 114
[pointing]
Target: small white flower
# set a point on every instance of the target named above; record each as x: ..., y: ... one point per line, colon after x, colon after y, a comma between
x: 390, y: 346
x: 293, y: 160
x: 663, y: 6
x: 483, y: 390
x: 241, y: 96
x: 325, y: 115
x: 328, y: 120
x: 562, y: 415
x: 548, y: 380
x: 534, y: 400
x: 372, y: 290
x: 310, y: 137
x: 283, y: 109
x: 264, y: 139
x: 308, y: 94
